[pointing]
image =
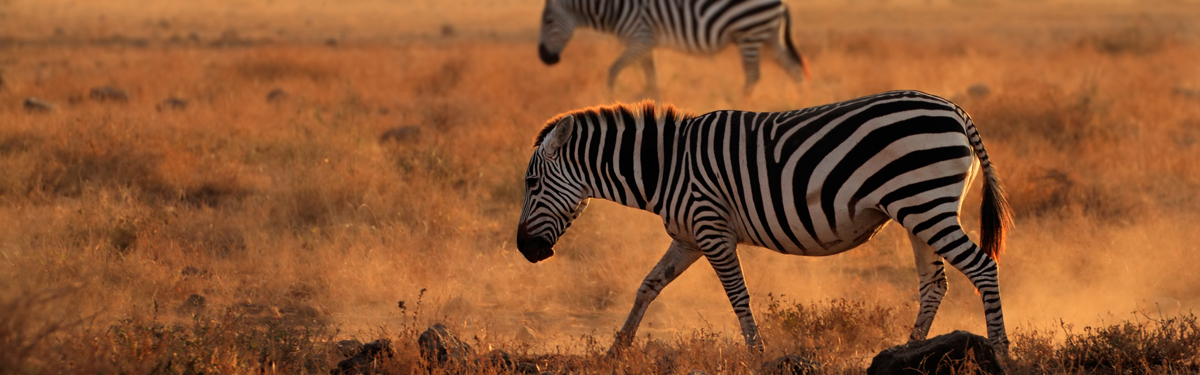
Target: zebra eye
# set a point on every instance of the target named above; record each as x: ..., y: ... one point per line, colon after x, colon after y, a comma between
x: 530, y: 182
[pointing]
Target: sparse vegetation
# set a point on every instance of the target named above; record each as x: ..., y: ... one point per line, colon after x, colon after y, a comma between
x: 328, y: 167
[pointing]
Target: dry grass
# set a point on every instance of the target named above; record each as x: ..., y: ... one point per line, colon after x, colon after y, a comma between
x: 299, y: 225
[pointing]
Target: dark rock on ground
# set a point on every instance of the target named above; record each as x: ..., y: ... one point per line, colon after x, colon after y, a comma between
x: 401, y: 134
x: 366, y: 361
x: 277, y: 95
x: 1186, y: 92
x: 194, y: 304
x: 439, y: 346
x: 945, y: 354
x: 348, y: 348
x: 978, y: 91
x: 496, y: 358
x: 193, y: 271
x: 172, y: 103
x: 33, y: 104
x: 108, y: 93
x: 791, y: 365
x: 528, y: 368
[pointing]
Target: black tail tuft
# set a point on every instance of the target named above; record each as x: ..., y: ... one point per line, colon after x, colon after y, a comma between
x: 787, y: 41
x: 995, y: 213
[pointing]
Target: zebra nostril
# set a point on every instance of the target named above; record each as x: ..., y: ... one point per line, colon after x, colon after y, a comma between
x: 549, y: 58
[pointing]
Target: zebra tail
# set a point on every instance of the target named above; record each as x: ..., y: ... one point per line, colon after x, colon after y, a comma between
x: 995, y: 212
x: 787, y: 40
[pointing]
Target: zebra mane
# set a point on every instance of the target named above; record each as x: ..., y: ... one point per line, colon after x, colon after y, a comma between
x: 644, y: 109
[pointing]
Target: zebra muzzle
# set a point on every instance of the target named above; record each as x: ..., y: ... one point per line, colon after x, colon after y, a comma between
x: 548, y: 57
x: 535, y: 249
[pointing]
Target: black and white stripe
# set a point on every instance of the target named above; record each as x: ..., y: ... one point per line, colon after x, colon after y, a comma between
x: 814, y: 182
x: 694, y: 26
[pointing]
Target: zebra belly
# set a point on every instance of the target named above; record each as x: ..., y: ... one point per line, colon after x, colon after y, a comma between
x: 864, y: 227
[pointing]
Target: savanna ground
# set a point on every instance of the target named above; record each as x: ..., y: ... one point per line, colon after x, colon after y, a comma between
x: 299, y: 226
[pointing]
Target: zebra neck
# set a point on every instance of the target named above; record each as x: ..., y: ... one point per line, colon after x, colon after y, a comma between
x: 631, y: 157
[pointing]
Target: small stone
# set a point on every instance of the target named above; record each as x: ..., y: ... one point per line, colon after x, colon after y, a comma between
x: 277, y: 95
x: 366, y: 361
x: 439, y: 346
x: 401, y: 134
x: 978, y: 91
x: 36, y: 105
x: 193, y: 305
x: 497, y: 359
x: 108, y: 94
x: 172, y: 103
x: 348, y: 348
x: 528, y: 368
x: 791, y: 365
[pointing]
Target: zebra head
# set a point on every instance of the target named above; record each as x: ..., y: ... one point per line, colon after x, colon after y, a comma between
x: 557, y: 27
x: 554, y: 196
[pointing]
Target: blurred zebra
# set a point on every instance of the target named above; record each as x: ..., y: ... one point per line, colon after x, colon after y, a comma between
x: 813, y: 182
x: 694, y: 26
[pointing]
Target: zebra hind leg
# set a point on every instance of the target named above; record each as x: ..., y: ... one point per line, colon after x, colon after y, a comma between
x: 750, y: 63
x: 952, y: 244
x: 647, y: 64
x: 677, y: 259
x: 933, y: 286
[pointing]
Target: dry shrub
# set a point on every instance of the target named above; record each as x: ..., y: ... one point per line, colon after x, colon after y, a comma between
x: 837, y: 333
x: 1151, y: 346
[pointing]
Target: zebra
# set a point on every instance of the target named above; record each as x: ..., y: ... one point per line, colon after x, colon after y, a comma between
x: 814, y: 182
x: 694, y: 26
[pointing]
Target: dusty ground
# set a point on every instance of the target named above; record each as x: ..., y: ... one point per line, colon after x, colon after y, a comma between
x: 290, y: 209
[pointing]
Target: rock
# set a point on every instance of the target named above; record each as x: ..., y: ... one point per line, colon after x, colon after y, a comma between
x: 348, y: 348
x: 108, y: 94
x: 978, y: 91
x: 172, y: 103
x: 1186, y: 92
x: 33, y: 104
x: 277, y: 95
x: 945, y: 354
x: 439, y: 346
x: 528, y: 368
x: 193, y: 305
x: 193, y: 271
x: 791, y: 365
x: 366, y: 361
x: 497, y: 359
x: 401, y: 134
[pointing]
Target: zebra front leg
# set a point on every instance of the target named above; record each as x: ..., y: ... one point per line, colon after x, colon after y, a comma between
x: 750, y: 64
x: 933, y: 286
x: 723, y: 257
x: 678, y: 258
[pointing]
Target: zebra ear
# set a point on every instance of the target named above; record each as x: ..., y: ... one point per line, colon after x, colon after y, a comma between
x: 558, y: 137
